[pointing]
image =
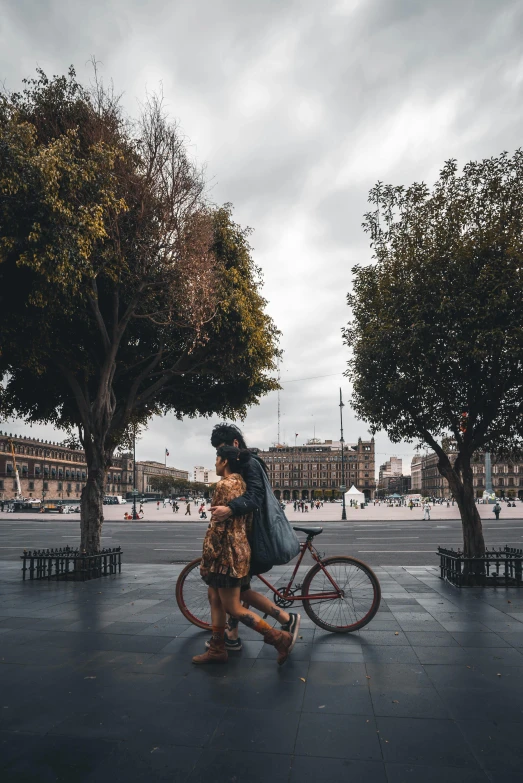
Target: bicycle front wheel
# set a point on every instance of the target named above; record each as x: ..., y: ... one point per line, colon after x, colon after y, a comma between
x: 191, y: 595
x: 359, y: 600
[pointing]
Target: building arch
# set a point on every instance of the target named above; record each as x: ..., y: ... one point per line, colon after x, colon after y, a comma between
x: 305, y: 494
x: 277, y: 494
x: 295, y: 494
x: 286, y: 494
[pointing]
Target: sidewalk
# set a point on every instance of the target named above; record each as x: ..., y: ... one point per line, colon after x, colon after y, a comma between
x: 96, y: 684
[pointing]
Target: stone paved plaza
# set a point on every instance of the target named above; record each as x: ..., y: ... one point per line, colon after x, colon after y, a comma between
x: 329, y: 513
x: 97, y: 685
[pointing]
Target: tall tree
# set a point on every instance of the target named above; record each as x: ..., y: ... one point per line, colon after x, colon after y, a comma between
x: 123, y: 292
x: 437, y: 324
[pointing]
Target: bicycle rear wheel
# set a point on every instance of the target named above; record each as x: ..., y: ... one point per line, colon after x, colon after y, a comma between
x: 191, y: 595
x: 358, y: 603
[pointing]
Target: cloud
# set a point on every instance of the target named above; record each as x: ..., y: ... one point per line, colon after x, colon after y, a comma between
x: 297, y: 108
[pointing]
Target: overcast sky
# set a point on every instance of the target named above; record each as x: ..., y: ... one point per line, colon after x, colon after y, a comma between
x: 297, y: 108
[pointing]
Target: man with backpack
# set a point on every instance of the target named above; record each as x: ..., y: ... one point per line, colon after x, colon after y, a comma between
x: 496, y: 509
x: 252, y: 500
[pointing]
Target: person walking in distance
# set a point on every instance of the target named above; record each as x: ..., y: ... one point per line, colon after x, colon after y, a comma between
x: 225, y: 565
x: 496, y: 509
x: 248, y: 503
x: 426, y: 511
x: 157, y: 505
x: 188, y: 510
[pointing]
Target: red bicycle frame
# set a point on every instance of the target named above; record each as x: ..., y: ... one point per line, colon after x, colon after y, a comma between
x: 286, y: 595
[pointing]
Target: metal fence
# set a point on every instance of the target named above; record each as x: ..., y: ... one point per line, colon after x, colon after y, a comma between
x: 502, y: 567
x: 67, y: 563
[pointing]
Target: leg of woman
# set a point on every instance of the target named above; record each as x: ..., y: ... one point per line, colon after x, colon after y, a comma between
x: 216, y: 652
x: 218, y: 616
x: 281, y: 640
x: 262, y: 604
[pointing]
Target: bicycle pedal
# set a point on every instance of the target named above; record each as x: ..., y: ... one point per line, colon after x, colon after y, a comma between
x: 265, y: 616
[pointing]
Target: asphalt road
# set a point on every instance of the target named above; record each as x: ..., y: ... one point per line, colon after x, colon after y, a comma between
x: 387, y: 542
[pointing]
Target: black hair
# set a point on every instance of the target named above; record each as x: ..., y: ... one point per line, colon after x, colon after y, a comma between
x: 237, y: 458
x: 227, y: 433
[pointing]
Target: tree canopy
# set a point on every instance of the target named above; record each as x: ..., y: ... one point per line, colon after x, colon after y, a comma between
x: 123, y: 291
x: 436, y: 335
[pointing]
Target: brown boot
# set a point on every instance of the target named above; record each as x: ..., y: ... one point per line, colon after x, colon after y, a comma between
x: 282, y: 641
x: 215, y: 654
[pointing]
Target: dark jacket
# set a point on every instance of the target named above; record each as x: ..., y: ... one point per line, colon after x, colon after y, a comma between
x: 254, y: 497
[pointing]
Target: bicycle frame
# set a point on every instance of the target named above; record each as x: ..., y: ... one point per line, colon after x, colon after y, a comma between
x: 286, y: 595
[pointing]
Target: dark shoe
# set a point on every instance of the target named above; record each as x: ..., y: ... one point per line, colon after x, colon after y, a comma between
x: 292, y: 627
x: 281, y: 641
x: 215, y: 654
x: 234, y: 645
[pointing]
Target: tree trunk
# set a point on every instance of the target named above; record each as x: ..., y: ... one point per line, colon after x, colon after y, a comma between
x: 462, y: 488
x: 91, y: 516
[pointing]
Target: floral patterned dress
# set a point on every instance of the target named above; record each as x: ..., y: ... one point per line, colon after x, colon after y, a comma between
x: 226, y: 552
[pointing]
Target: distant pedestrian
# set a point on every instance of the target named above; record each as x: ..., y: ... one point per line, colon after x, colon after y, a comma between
x: 141, y: 509
x: 164, y: 503
x: 496, y: 509
x: 157, y: 505
x: 188, y: 510
x: 426, y: 510
x: 411, y: 505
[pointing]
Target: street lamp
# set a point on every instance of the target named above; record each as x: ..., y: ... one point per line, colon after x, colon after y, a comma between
x: 135, y: 491
x: 342, y: 487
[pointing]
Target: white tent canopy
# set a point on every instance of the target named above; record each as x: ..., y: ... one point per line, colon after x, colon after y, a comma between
x: 355, y: 495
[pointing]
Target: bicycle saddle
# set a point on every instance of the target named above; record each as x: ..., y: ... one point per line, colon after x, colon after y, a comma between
x: 311, y: 531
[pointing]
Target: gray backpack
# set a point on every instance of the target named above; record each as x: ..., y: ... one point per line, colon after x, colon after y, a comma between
x: 273, y: 540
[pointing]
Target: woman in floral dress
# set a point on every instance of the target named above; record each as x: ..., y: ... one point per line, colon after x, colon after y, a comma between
x: 226, y: 561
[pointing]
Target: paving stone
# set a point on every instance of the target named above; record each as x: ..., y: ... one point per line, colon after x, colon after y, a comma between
x: 413, y: 773
x: 424, y: 741
x: 497, y: 744
x: 311, y: 770
x: 409, y: 702
x: 339, y: 699
x: 249, y: 729
x: 215, y: 765
x: 352, y: 737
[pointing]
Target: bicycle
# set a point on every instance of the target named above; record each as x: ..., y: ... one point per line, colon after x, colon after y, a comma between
x: 336, y: 590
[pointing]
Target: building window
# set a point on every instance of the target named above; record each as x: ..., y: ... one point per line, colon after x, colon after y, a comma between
x: 69, y: 487
x: 1, y: 483
x: 31, y: 485
x: 60, y: 486
x: 46, y: 485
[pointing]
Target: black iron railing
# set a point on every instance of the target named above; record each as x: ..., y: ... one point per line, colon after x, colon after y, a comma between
x: 503, y: 567
x: 67, y: 563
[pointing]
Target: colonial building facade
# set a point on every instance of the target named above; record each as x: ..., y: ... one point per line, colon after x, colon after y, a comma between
x: 314, y: 470
x: 507, y: 477
x: 415, y: 473
x: 147, y: 469
x: 51, y: 471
